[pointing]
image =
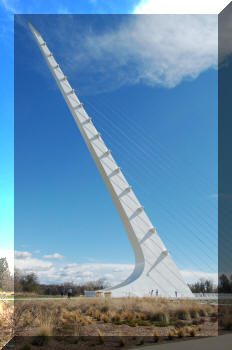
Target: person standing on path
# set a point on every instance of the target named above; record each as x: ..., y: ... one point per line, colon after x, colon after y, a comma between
x: 69, y: 292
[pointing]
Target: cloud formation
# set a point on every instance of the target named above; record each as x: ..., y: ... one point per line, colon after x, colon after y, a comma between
x: 151, y: 49
x: 21, y: 255
x: 29, y: 264
x: 180, y: 6
x: 53, y: 256
x: 53, y: 272
x: 155, y: 50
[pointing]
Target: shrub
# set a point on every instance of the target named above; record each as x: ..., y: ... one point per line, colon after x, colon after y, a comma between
x: 105, y: 318
x: 171, y: 334
x: 156, y: 336
x: 105, y: 308
x: 132, y: 323
x: 193, y: 313
x: 160, y: 324
x: 183, y: 314
x: 196, y: 322
x: 213, y: 319
x: 162, y: 316
x: 142, y: 315
x: 192, y: 332
x: 97, y: 315
x: 202, y: 320
x: 128, y: 316
x: 202, y: 312
x: 142, y: 323
x: 117, y: 318
x: 83, y: 321
x: 180, y: 324
x: 89, y: 320
x: 180, y: 333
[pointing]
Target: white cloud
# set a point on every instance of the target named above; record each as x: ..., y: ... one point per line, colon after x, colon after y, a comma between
x: 152, y: 49
x: 21, y: 255
x: 180, y: 6
x: 36, y: 252
x: 48, y: 272
x: 29, y: 265
x: 53, y: 256
x: 89, y: 272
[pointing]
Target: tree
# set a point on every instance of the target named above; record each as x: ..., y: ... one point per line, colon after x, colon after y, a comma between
x: 203, y: 286
x: 6, y: 280
x: 30, y: 283
x: 225, y: 285
x: 208, y: 286
x: 17, y: 280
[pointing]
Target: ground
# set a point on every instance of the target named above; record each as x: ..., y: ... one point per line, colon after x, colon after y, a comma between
x: 107, y: 324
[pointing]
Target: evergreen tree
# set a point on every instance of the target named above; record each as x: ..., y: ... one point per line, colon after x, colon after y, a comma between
x: 6, y: 280
x: 225, y: 285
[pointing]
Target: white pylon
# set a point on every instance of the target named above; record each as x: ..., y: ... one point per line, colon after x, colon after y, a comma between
x: 154, y: 268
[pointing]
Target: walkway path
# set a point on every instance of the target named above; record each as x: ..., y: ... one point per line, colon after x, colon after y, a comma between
x: 222, y: 342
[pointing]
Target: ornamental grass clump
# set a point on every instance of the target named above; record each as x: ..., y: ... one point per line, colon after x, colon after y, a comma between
x: 42, y: 337
x: 180, y: 333
x: 182, y: 313
x: 156, y: 336
x: 116, y: 318
x: 100, y: 337
x: 192, y: 331
x: 171, y: 334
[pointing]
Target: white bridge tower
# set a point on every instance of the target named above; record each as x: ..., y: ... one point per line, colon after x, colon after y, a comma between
x: 154, y: 268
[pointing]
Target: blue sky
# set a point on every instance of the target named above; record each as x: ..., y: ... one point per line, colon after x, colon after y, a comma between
x: 166, y: 93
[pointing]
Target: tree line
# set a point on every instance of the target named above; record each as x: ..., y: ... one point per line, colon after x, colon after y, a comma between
x: 203, y: 286
x: 206, y: 286
x: 29, y: 283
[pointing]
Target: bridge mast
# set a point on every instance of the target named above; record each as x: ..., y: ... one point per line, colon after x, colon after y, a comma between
x: 154, y: 268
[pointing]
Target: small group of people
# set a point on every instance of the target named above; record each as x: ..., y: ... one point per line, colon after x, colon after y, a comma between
x: 157, y: 293
x: 69, y: 292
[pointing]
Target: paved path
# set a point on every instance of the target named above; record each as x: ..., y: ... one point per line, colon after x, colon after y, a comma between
x: 55, y: 298
x: 222, y: 342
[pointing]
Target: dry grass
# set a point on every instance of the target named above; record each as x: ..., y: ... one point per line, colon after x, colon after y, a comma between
x: 156, y: 336
x: 6, y: 322
x: 70, y: 317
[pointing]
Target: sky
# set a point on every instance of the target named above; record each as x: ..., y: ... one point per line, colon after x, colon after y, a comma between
x: 132, y: 76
